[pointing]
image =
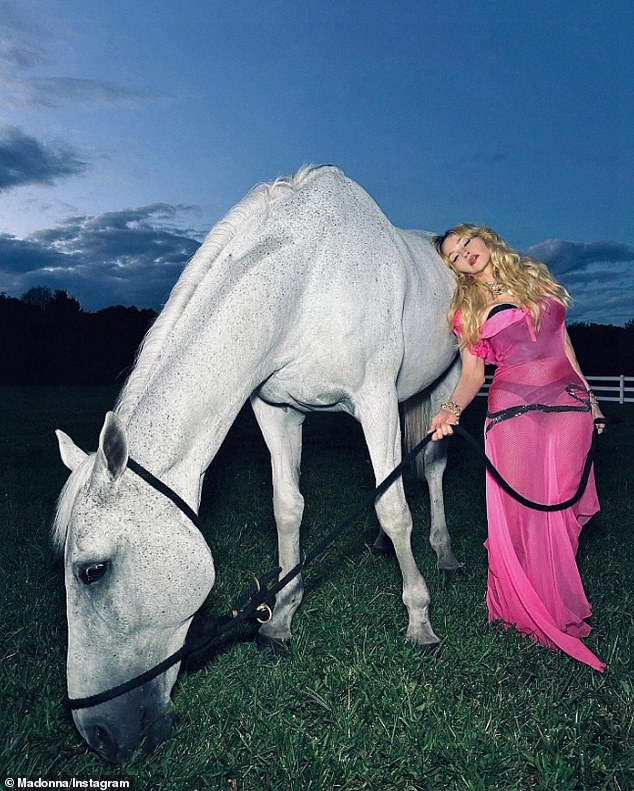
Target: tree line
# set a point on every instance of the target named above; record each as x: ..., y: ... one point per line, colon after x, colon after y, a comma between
x: 48, y: 339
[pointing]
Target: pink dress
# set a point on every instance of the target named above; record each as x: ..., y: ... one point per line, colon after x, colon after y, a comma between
x: 533, y: 580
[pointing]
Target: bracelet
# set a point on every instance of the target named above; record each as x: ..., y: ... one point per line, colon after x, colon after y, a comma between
x: 451, y: 406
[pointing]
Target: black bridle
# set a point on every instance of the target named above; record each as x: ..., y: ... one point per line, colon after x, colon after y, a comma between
x: 256, y: 602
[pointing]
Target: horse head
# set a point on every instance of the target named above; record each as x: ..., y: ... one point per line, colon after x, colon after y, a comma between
x: 136, y: 571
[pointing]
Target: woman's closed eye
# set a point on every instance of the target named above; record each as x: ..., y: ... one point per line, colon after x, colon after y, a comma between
x: 454, y: 256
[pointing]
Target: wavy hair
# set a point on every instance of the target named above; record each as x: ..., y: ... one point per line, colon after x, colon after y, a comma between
x: 528, y: 281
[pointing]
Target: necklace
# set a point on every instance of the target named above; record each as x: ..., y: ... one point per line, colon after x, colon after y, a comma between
x: 497, y: 289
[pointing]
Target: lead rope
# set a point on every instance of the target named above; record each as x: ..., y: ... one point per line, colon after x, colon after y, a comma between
x: 515, y: 494
x: 256, y: 602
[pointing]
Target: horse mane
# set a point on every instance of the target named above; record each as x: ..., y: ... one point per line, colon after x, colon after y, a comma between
x: 76, y: 481
x: 255, y: 204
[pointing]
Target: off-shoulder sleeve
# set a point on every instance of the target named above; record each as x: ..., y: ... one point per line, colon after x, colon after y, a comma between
x: 480, y: 349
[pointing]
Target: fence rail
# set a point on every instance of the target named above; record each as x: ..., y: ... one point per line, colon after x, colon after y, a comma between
x: 606, y: 388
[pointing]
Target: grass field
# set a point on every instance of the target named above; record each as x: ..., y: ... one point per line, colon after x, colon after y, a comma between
x: 352, y: 706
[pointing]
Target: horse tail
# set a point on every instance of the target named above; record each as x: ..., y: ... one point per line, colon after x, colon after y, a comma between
x: 418, y: 411
x: 416, y: 416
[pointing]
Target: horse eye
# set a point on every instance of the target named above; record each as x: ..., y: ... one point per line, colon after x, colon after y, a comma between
x: 93, y: 573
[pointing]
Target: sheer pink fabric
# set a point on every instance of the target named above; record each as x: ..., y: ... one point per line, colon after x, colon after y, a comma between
x: 533, y: 580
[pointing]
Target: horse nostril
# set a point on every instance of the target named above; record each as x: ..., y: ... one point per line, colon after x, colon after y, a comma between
x: 157, y: 732
x: 101, y: 738
x: 102, y: 742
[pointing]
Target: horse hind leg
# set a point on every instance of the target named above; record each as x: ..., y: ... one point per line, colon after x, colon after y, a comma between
x: 434, y: 463
x: 282, y: 431
x: 431, y: 463
x: 380, y: 421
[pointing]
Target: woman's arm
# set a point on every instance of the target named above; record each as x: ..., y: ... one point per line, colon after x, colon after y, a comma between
x: 468, y: 386
x: 594, y: 404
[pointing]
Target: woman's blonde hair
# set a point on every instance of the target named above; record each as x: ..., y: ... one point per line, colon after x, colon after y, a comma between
x: 528, y: 281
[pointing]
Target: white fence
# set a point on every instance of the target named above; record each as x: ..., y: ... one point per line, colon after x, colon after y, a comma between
x: 606, y: 388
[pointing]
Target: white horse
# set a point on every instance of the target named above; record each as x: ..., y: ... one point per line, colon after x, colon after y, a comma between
x: 303, y: 298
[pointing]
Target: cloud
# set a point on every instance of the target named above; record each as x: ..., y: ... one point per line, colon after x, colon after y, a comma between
x: 16, y: 56
x: 601, y: 304
x: 25, y: 50
x: 130, y: 257
x: 20, y: 256
x: 134, y: 257
x: 51, y: 91
x: 25, y: 160
x: 599, y: 276
x: 563, y: 257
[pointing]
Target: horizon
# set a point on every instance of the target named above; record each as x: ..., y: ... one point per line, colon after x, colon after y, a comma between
x: 52, y: 295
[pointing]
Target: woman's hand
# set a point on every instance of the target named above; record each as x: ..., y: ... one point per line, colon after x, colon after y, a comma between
x: 597, y: 414
x: 467, y: 387
x: 441, y: 424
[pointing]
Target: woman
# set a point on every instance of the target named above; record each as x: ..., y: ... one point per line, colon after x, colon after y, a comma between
x: 509, y: 312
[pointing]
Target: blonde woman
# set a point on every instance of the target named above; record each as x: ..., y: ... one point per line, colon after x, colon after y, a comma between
x: 510, y: 312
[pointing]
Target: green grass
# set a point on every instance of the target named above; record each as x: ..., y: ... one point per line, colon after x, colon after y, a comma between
x: 352, y: 706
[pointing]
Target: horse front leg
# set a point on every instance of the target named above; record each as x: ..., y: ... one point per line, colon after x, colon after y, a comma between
x: 379, y: 418
x: 282, y: 431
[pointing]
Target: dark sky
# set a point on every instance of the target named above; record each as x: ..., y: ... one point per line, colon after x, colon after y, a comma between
x: 128, y: 129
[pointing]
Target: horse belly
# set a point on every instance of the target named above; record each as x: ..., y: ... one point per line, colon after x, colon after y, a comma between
x: 423, y: 366
x: 307, y: 388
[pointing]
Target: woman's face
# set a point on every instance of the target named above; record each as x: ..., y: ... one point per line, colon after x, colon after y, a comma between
x: 468, y: 256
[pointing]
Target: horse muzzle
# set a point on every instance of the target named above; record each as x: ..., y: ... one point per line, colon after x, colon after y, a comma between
x: 115, y: 730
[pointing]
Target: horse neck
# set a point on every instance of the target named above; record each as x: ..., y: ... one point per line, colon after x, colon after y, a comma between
x: 204, y: 377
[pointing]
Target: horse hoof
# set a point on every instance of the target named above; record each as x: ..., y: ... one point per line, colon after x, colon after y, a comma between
x: 429, y: 649
x: 453, y: 573
x: 271, y: 645
x: 385, y: 549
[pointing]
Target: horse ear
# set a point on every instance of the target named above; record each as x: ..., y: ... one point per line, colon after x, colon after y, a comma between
x: 72, y: 456
x: 112, y: 456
